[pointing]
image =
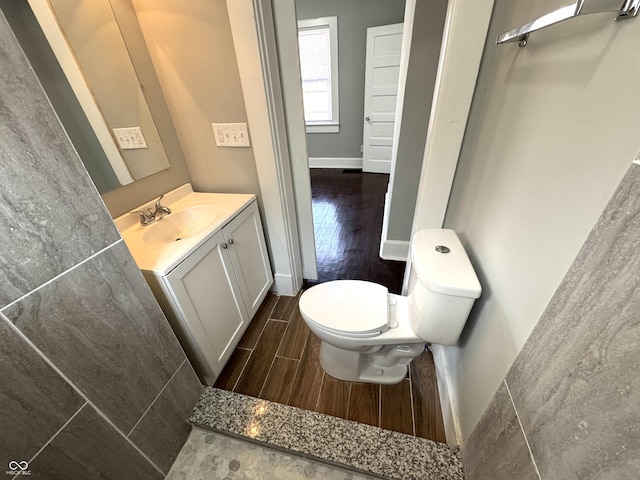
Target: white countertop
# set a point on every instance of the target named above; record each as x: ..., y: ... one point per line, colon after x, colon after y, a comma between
x: 161, y: 259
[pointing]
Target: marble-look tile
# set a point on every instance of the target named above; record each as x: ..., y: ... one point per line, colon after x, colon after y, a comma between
x: 163, y: 430
x: 364, y: 448
x: 89, y: 448
x: 100, y: 325
x: 34, y: 400
x: 497, y: 449
x: 207, y: 455
x: 575, y: 383
x: 51, y: 216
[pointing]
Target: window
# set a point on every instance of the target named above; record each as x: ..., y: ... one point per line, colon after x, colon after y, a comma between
x: 318, y: 46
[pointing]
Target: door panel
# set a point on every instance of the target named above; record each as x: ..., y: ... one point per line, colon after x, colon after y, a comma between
x: 382, y: 130
x: 248, y: 253
x: 384, y: 45
x: 207, y: 291
x: 385, y: 78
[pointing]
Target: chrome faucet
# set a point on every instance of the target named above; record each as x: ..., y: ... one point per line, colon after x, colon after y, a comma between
x: 160, y: 211
x: 150, y: 216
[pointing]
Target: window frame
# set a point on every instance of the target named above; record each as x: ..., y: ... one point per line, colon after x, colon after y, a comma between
x: 324, y: 126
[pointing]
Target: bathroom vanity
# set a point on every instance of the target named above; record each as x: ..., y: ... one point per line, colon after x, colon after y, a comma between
x: 208, y: 267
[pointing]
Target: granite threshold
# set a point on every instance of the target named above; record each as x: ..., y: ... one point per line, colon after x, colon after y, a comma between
x: 363, y: 448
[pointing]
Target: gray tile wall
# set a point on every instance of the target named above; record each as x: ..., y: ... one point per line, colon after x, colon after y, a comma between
x: 94, y: 383
x: 569, y: 407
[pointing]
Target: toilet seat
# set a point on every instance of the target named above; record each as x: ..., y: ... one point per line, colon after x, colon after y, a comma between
x: 350, y: 308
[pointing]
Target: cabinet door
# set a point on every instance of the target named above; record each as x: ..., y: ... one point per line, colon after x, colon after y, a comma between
x: 207, y: 292
x: 248, y: 252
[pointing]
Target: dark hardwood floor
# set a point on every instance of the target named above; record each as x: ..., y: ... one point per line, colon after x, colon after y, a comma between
x: 277, y: 358
x: 347, y: 213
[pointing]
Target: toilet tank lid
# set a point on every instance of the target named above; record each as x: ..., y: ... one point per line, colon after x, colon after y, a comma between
x: 445, y: 270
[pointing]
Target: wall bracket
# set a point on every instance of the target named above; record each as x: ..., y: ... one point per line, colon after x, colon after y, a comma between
x: 629, y: 9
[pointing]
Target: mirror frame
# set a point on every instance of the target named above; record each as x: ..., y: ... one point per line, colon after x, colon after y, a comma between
x: 56, y: 38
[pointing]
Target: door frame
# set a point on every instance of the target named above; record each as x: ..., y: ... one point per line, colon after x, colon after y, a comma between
x: 466, y: 28
x: 252, y: 29
x: 465, y: 32
x: 286, y: 31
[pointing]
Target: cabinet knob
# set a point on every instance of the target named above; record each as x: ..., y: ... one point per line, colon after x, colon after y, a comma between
x: 231, y: 241
x: 225, y: 246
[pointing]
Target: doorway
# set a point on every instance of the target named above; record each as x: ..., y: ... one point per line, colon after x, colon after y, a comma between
x: 348, y: 207
x: 329, y: 150
x: 334, y: 144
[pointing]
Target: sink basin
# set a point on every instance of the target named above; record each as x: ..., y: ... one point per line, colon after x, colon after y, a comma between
x: 195, y: 217
x: 180, y: 224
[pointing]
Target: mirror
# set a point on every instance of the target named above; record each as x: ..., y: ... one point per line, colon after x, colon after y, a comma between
x: 87, y: 42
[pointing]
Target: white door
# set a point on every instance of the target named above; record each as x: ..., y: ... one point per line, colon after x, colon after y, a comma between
x: 384, y: 45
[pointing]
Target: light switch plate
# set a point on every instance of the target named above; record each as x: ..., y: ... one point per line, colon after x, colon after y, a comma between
x: 219, y: 130
x: 130, y: 138
x: 231, y: 134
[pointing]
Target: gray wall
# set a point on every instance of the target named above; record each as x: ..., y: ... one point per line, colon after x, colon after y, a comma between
x: 426, y: 40
x: 95, y: 383
x: 568, y: 408
x: 193, y: 54
x: 94, y: 34
x: 546, y: 144
x: 186, y: 93
x: 354, y: 17
x: 125, y: 198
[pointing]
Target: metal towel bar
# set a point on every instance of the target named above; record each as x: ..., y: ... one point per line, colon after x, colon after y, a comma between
x: 629, y: 9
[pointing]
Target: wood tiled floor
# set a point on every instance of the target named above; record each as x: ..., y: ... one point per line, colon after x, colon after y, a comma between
x: 277, y: 360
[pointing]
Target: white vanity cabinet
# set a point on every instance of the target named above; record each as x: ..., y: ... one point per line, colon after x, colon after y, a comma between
x: 211, y: 296
x: 247, y: 249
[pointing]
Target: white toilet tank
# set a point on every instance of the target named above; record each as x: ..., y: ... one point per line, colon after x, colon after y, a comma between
x: 443, y: 286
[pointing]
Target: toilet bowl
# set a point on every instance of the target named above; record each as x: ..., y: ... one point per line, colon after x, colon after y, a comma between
x: 370, y: 335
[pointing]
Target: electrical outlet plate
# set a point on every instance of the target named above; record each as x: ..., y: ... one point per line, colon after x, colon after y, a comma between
x: 130, y: 138
x: 231, y: 134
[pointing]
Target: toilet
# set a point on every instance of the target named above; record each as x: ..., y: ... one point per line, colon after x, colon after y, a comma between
x: 370, y: 335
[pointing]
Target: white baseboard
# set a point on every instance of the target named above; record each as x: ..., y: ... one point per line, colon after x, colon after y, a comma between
x: 394, y: 250
x: 283, y: 285
x: 447, y: 400
x: 334, y: 162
